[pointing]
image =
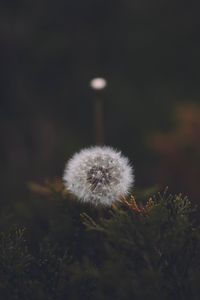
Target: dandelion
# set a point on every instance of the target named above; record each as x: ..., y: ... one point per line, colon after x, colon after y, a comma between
x: 99, y: 175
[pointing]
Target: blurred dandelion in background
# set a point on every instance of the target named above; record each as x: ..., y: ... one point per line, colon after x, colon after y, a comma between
x: 98, y: 83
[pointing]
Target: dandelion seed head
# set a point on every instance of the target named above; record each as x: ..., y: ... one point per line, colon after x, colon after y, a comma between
x: 98, y: 83
x: 99, y: 175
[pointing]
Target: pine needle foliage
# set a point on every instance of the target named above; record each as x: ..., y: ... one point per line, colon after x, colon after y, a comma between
x: 58, y: 248
x: 154, y: 248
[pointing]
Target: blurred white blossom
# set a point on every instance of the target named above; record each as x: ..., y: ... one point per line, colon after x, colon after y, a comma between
x: 99, y: 175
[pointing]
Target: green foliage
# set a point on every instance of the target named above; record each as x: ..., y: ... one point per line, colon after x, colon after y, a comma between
x: 155, y: 249
x: 69, y: 250
x: 14, y: 263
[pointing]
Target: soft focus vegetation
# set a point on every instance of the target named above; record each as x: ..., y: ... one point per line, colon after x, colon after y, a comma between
x: 59, y: 248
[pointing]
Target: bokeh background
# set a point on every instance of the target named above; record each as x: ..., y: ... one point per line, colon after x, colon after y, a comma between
x: 149, y: 52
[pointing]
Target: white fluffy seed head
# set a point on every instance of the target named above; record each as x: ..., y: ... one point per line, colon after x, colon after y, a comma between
x: 99, y: 175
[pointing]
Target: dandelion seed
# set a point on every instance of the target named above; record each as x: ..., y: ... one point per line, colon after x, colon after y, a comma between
x: 99, y: 175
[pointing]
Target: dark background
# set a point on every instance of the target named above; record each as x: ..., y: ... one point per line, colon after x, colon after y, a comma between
x: 149, y: 52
